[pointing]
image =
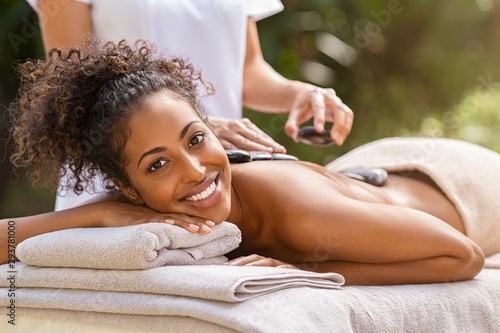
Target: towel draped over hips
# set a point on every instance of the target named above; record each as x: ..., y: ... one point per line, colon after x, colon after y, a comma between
x: 468, y: 174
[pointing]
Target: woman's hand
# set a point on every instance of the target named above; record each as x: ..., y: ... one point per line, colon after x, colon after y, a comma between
x: 322, y: 104
x: 257, y: 260
x: 243, y: 134
x: 118, y: 214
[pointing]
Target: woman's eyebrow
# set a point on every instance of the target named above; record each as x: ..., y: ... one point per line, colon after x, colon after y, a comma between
x: 151, y: 151
x: 185, y: 129
x: 162, y: 149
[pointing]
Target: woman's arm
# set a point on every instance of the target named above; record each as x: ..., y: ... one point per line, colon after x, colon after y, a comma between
x: 105, y: 213
x: 300, y: 99
x: 403, y: 249
x: 378, y: 243
x: 63, y: 24
x: 15, y: 230
x: 442, y: 268
x: 340, y: 225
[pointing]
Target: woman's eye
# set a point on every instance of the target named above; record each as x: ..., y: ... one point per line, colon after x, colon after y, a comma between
x: 156, y: 165
x: 196, y: 139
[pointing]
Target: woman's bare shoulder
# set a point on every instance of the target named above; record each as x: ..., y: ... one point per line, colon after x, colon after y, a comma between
x: 281, y: 178
x: 303, y: 181
x: 276, y: 169
x: 284, y: 171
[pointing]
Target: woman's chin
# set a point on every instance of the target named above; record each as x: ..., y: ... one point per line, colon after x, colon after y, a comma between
x: 221, y: 215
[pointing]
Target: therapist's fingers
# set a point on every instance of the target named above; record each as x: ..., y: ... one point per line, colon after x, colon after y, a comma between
x: 342, y: 128
x: 341, y: 115
x: 318, y: 109
x: 255, y: 134
x: 309, y: 103
x: 299, y: 113
x: 292, y: 128
x: 227, y: 144
x: 243, y: 134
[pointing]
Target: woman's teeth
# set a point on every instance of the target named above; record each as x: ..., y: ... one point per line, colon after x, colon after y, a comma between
x: 203, y: 195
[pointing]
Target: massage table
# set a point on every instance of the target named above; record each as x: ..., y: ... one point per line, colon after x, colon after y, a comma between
x: 469, y: 306
x: 161, y: 278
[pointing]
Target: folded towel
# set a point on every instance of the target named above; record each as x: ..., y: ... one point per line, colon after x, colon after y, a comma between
x: 140, y: 246
x: 212, y: 282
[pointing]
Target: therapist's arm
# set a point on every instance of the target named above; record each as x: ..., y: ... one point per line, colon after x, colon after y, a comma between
x: 64, y: 24
x: 265, y: 90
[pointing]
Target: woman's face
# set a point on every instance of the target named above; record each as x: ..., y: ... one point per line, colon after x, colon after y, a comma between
x: 175, y: 164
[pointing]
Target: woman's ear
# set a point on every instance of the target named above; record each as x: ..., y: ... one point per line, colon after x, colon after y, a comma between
x: 129, y: 192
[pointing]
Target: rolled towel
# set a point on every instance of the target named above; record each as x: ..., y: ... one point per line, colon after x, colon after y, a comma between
x: 141, y: 246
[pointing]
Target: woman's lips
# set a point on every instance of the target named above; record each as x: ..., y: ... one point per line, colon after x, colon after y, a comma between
x: 207, y: 196
x: 203, y: 195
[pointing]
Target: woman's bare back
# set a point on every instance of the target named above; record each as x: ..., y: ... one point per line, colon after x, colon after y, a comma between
x: 411, y: 189
x: 266, y: 191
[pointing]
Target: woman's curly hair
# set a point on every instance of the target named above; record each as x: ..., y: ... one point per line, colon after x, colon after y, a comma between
x: 70, y: 115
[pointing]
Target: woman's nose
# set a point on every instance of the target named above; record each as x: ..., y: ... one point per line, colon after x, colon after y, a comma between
x: 192, y: 169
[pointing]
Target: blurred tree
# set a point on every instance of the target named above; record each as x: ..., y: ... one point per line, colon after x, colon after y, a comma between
x: 475, y: 119
x: 19, y: 39
x: 393, y: 62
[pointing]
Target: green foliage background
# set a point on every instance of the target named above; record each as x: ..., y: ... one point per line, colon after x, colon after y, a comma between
x: 407, y: 68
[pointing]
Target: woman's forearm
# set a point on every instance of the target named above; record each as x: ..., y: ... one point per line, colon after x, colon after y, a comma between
x: 111, y: 211
x: 437, y: 269
x: 15, y: 230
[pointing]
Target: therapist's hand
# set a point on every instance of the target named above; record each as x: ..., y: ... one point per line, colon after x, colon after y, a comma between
x: 325, y: 106
x: 243, y: 134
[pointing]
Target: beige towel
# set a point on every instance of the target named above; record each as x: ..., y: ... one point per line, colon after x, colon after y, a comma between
x: 212, y: 282
x: 467, y: 173
x: 140, y: 246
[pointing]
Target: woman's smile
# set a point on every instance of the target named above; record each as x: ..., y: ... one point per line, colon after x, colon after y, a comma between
x: 208, y: 196
x: 203, y: 195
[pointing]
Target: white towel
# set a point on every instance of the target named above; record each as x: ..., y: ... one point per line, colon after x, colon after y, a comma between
x: 142, y: 246
x: 211, y: 282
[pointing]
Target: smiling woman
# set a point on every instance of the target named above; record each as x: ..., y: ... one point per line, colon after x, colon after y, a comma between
x: 170, y: 149
x: 135, y: 119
